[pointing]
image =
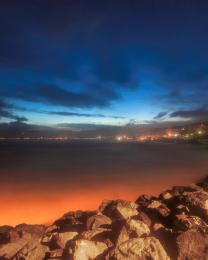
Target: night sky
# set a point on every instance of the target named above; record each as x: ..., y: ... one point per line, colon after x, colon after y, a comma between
x: 103, y: 62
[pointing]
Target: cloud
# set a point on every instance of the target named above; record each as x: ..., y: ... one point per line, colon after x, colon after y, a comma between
x: 160, y: 115
x: 4, y: 113
x: 66, y: 113
x: 55, y: 95
x: 197, y: 114
x: 105, y: 48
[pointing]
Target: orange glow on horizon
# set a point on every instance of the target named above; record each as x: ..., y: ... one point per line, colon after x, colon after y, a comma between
x: 41, y: 206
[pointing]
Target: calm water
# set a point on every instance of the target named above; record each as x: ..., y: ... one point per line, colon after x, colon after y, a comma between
x: 40, y: 181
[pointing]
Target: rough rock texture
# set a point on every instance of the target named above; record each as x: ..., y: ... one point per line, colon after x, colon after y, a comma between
x: 173, y: 226
x: 140, y: 248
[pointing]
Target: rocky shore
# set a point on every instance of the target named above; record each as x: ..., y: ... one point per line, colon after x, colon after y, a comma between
x: 173, y: 225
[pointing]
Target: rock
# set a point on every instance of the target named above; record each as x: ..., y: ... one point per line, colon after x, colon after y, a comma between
x: 140, y: 249
x: 88, y: 250
x: 197, y: 202
x: 33, y: 250
x: 56, y: 254
x: 192, y: 244
x: 181, y: 209
x: 119, y: 209
x: 48, y: 239
x: 4, y: 234
x: 138, y: 227
x: 143, y: 217
x: 183, y: 222
x: 9, y: 250
x: 97, y: 221
x: 9, y: 236
x: 35, y: 231
x: 144, y: 200
x: 51, y: 229
x: 167, y: 238
x: 173, y: 226
x: 204, y: 184
x: 123, y: 235
x: 158, y: 208
x: 166, y: 196
x: 61, y: 239
x: 57, y: 240
x: 74, y: 221
x: 96, y: 234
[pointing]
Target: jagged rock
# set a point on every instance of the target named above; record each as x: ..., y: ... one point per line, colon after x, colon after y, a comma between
x: 140, y: 249
x: 178, y: 190
x: 33, y: 250
x: 138, y: 227
x: 74, y: 221
x: 4, y: 234
x: 204, y: 184
x: 47, y: 239
x: 51, y: 229
x: 9, y: 236
x: 57, y: 240
x: 166, y: 195
x: 87, y: 250
x: 175, y: 226
x: 8, y: 251
x: 123, y: 235
x: 100, y: 233
x: 144, y: 200
x: 119, y: 209
x: 56, y: 254
x: 192, y: 244
x: 158, y: 208
x: 167, y: 238
x: 61, y: 239
x: 35, y: 231
x: 181, y: 209
x: 183, y: 222
x: 143, y: 217
x: 197, y: 202
x: 97, y: 221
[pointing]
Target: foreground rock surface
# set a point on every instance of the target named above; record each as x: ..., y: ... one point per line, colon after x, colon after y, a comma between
x: 172, y: 226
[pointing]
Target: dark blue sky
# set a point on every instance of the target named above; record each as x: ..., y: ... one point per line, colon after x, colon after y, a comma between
x: 103, y: 62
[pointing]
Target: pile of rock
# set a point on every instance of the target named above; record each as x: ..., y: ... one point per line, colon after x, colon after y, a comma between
x: 173, y: 225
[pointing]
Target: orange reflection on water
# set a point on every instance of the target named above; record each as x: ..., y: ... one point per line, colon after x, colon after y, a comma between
x: 43, y: 204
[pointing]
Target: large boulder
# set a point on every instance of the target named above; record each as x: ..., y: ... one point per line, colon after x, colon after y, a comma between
x: 203, y: 183
x: 144, y: 200
x: 197, y: 202
x: 74, y: 221
x: 57, y: 240
x: 183, y: 223
x: 140, y: 249
x: 192, y: 244
x: 35, y: 231
x: 99, y: 234
x: 33, y: 250
x: 87, y: 250
x: 61, y: 239
x: 97, y: 221
x: 167, y: 238
x: 119, y: 209
x: 137, y: 227
x: 8, y: 251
